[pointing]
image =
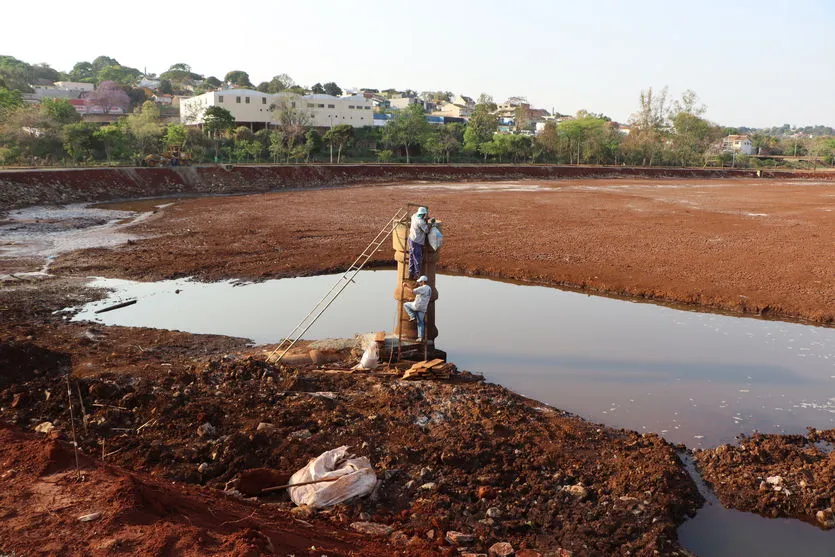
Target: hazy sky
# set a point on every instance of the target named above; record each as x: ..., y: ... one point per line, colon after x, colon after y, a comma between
x: 756, y: 63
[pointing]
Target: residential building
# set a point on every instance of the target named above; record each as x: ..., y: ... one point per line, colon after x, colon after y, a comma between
x: 454, y: 110
x: 738, y: 144
x: 258, y: 110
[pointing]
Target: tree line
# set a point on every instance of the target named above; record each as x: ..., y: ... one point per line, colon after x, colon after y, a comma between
x: 662, y: 131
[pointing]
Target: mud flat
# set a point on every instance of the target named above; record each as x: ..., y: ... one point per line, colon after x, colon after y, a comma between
x: 461, y: 456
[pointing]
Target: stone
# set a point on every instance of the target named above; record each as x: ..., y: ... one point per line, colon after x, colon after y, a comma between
x: 459, y: 538
x: 372, y: 528
x: 501, y: 549
x: 265, y: 427
x: 300, y: 434
x: 577, y: 491
x: 399, y: 537
x: 429, y: 486
x: 206, y: 430
x: 471, y: 554
x: 528, y: 553
x: 303, y: 512
x: 485, y: 492
x: 203, y: 468
x: 44, y: 427
x: 826, y: 518
x: 89, y: 517
x: 430, y: 534
x: 774, y: 480
x: 494, y: 512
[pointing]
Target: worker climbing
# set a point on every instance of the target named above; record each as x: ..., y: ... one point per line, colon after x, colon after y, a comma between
x: 417, y: 308
x: 417, y: 239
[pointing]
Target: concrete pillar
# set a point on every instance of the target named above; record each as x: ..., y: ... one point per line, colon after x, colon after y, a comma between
x: 408, y: 329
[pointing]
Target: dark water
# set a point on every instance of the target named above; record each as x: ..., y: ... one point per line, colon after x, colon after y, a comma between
x: 695, y: 378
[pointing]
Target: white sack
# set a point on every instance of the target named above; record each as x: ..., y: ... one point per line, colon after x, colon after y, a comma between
x: 436, y: 239
x: 369, y: 357
x: 356, y: 478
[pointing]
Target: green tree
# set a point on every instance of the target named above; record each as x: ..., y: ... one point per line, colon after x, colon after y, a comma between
x: 78, y: 139
x: 317, y: 89
x: 407, y: 128
x: 114, y: 140
x: 175, y: 134
x: 339, y: 136
x: 239, y: 78
x: 10, y: 100
x: 217, y: 122
x: 119, y: 74
x: 332, y: 88
x: 83, y: 72
x: 60, y: 110
x: 482, y: 125
x: 650, y: 127
x: 145, y: 128
x: 312, y: 143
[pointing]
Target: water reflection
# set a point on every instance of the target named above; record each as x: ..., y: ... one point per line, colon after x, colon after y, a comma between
x: 698, y: 379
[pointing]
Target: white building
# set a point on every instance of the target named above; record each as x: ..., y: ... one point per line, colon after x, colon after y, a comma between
x: 256, y: 109
x: 738, y: 144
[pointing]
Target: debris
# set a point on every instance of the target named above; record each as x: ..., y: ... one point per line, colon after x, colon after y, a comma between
x: 265, y: 427
x: 116, y: 306
x: 354, y: 477
x: 372, y: 528
x: 206, y: 430
x: 501, y: 549
x: 44, y: 427
x: 826, y: 518
x: 89, y: 517
x: 577, y: 491
x: 203, y: 468
x: 459, y: 538
x: 432, y: 369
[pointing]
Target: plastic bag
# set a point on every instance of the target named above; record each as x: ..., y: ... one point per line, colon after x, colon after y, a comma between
x: 369, y: 357
x: 355, y: 476
x: 436, y: 239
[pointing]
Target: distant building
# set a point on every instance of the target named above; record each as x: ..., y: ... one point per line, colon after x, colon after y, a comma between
x: 257, y: 110
x: 453, y: 110
x: 738, y: 144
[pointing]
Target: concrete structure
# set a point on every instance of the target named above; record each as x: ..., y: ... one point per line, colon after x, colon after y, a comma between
x: 453, y: 110
x: 404, y: 327
x: 257, y: 109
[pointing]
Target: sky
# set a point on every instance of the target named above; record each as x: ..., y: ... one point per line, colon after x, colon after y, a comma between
x: 752, y: 63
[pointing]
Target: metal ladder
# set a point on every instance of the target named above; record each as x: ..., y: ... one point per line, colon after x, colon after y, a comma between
x: 347, y: 277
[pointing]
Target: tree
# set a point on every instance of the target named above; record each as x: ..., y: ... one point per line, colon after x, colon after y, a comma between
x: 175, y: 134
x: 119, y: 74
x: 107, y: 96
x: 9, y: 101
x: 78, y: 139
x: 332, y: 88
x: 239, y: 78
x: 217, y: 121
x: 291, y: 119
x: 407, y: 128
x: 279, y: 83
x: 317, y: 89
x: 83, y: 72
x: 649, y: 126
x: 60, y: 110
x: 145, y: 127
x: 113, y: 139
x: 482, y: 125
x: 312, y: 143
x: 340, y: 136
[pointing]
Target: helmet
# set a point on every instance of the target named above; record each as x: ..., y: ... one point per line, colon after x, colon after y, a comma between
x: 423, y: 279
x: 422, y: 211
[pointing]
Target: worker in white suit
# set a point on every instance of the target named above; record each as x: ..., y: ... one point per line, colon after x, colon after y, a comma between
x: 417, y: 308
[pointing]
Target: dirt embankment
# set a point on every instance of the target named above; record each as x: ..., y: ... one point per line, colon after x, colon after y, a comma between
x: 776, y: 475
x: 20, y: 188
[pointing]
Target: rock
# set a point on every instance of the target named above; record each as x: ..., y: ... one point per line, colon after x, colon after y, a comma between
x: 494, y: 512
x: 430, y: 534
x: 372, y: 528
x: 206, y: 430
x: 16, y: 400
x: 577, y: 491
x: 203, y: 468
x: 429, y: 486
x: 44, y: 427
x: 501, y: 549
x: 528, y: 553
x: 265, y: 427
x: 399, y: 537
x: 471, y: 554
x: 89, y: 517
x: 303, y: 512
x: 826, y: 518
x: 774, y: 480
x: 485, y: 492
x: 459, y: 538
x: 300, y: 434
x: 365, y: 516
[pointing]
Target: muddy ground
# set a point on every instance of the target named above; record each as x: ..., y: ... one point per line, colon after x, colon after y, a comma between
x: 463, y: 456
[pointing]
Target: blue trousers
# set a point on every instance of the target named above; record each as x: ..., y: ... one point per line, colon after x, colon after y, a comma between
x: 415, y: 259
x: 414, y: 314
